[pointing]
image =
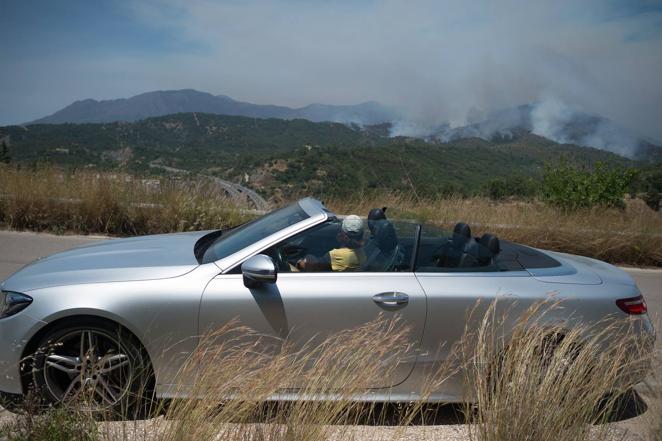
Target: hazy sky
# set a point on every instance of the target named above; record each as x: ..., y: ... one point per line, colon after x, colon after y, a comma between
x: 438, y: 60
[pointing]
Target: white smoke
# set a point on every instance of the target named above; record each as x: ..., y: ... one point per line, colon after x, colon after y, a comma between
x: 411, y: 129
x: 555, y: 120
x: 549, y: 117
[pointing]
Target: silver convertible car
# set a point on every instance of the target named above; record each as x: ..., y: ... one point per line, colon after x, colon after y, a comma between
x: 92, y: 316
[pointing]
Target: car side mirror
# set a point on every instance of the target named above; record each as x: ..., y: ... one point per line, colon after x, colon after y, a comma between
x: 258, y: 270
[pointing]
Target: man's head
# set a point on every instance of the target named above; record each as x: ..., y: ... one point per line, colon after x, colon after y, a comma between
x: 352, y: 227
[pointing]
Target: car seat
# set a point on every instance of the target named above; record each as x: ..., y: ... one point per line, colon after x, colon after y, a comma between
x: 382, y: 249
x: 480, y: 252
x: 450, y: 254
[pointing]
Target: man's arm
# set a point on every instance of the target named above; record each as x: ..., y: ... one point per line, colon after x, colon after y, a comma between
x: 312, y: 263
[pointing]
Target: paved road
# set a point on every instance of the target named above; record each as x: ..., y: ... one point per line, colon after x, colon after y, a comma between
x: 235, y: 191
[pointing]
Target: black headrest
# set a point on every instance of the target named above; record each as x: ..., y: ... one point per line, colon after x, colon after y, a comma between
x: 384, y: 234
x: 377, y: 214
x: 491, y: 242
x: 462, y: 229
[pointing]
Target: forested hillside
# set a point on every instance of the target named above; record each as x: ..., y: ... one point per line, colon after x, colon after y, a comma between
x: 294, y: 156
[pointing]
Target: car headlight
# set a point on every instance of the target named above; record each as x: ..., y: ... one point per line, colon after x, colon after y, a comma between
x: 12, y: 303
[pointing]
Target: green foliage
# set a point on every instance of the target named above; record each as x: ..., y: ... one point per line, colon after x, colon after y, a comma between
x: 323, y: 159
x: 650, y: 186
x: 4, y: 153
x: 54, y: 424
x: 510, y: 186
x: 570, y: 188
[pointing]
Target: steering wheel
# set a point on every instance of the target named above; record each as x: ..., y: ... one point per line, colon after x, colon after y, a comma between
x: 281, y: 262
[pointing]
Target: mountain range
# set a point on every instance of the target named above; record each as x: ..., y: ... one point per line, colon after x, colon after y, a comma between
x: 166, y: 102
x: 547, y: 118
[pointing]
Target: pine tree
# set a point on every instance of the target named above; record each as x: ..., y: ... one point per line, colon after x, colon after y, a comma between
x: 4, y: 153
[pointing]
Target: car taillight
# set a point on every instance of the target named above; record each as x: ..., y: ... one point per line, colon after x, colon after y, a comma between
x: 633, y: 305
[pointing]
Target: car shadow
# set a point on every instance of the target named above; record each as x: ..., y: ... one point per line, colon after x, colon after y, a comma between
x: 269, y: 300
x: 628, y: 405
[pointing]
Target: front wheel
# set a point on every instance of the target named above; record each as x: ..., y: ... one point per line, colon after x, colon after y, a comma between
x: 94, y: 367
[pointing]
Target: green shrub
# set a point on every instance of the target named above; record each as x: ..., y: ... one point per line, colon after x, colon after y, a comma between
x: 571, y: 188
x: 517, y: 186
x: 649, y: 185
x: 54, y: 424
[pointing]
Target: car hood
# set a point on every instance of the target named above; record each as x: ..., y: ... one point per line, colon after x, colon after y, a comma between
x: 117, y: 260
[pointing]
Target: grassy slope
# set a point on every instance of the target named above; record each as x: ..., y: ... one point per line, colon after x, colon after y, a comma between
x: 321, y: 158
x: 425, y: 169
x: 87, y: 202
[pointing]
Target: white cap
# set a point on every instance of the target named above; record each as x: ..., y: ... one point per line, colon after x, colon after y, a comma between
x: 352, y: 225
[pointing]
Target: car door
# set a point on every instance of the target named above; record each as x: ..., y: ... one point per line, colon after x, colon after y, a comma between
x: 307, y: 307
x: 460, y: 290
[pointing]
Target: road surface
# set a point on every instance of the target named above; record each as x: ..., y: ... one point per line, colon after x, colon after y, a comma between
x: 235, y: 191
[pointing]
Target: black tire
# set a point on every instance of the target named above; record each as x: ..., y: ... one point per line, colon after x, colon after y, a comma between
x: 94, y: 366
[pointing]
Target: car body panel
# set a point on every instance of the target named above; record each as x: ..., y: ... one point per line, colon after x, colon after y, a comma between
x: 119, y: 260
x: 162, y: 314
x: 307, y: 308
x: 574, y: 270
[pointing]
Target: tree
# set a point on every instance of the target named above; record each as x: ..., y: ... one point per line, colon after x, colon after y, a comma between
x: 572, y: 188
x: 4, y: 153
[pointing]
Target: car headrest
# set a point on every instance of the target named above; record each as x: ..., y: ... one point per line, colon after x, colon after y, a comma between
x: 491, y: 242
x: 384, y: 234
x: 462, y: 229
x: 377, y: 214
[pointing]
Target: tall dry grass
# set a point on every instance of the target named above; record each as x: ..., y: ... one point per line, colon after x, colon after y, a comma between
x: 631, y: 236
x: 238, y: 381
x: 88, y: 202
x: 526, y: 383
x: 47, y: 199
x: 547, y: 381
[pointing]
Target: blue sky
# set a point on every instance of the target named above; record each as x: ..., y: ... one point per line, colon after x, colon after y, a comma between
x: 438, y: 60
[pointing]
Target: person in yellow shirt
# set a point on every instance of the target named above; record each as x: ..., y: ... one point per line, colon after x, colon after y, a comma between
x: 349, y: 256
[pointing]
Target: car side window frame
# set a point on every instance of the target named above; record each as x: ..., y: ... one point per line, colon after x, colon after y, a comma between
x: 409, y: 269
x: 484, y: 269
x: 416, y: 248
x: 231, y: 264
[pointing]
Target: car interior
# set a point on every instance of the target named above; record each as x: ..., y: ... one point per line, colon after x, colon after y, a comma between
x: 388, y: 247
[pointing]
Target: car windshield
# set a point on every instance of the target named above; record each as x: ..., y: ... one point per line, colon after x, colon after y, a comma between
x: 254, y: 231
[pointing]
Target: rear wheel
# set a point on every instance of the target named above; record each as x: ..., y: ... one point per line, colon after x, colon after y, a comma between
x: 94, y: 367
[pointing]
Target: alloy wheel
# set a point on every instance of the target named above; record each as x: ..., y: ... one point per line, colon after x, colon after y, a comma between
x: 88, y: 367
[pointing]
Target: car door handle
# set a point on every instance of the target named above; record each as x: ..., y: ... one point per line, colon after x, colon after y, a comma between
x: 391, y: 299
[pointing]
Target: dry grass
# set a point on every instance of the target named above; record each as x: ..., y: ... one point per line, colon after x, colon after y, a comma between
x: 253, y: 369
x: 651, y: 390
x: 631, y: 236
x: 87, y: 202
x: 524, y: 387
x: 548, y: 381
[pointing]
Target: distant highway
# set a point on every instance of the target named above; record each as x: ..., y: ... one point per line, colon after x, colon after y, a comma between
x: 236, y: 191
